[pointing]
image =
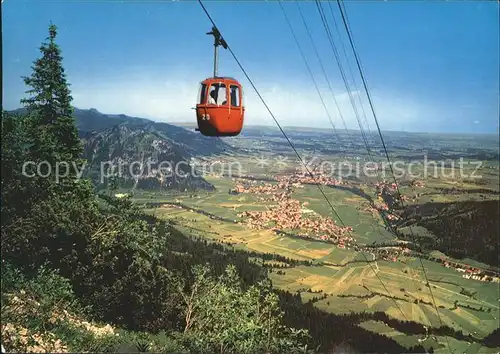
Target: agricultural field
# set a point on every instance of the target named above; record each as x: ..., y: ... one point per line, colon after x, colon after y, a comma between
x: 340, y: 280
x: 369, y: 277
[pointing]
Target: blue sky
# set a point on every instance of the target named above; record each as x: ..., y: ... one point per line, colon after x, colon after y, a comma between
x: 430, y: 66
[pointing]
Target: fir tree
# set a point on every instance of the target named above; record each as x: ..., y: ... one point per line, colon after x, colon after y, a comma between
x: 49, y: 106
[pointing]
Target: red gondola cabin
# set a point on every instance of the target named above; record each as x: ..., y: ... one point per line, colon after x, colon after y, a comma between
x: 219, y: 110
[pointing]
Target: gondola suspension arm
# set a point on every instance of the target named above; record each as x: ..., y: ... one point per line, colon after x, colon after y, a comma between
x: 218, y: 41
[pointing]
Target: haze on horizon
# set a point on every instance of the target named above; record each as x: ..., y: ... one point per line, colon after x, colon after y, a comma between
x: 429, y: 66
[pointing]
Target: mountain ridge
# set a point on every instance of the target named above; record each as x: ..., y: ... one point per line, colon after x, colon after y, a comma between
x: 123, y: 143
x: 90, y: 121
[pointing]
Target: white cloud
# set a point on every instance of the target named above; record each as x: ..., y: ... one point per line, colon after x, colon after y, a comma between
x: 476, y: 122
x: 170, y: 98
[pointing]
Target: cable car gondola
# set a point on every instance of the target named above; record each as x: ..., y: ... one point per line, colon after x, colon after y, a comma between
x: 219, y: 110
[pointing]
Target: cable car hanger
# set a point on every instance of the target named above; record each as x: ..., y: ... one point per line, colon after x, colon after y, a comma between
x: 218, y: 40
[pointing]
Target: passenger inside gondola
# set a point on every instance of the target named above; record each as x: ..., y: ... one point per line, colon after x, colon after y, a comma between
x: 212, y: 97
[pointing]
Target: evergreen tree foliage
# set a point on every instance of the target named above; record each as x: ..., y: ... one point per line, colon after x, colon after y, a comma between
x: 16, y: 188
x: 55, y: 137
